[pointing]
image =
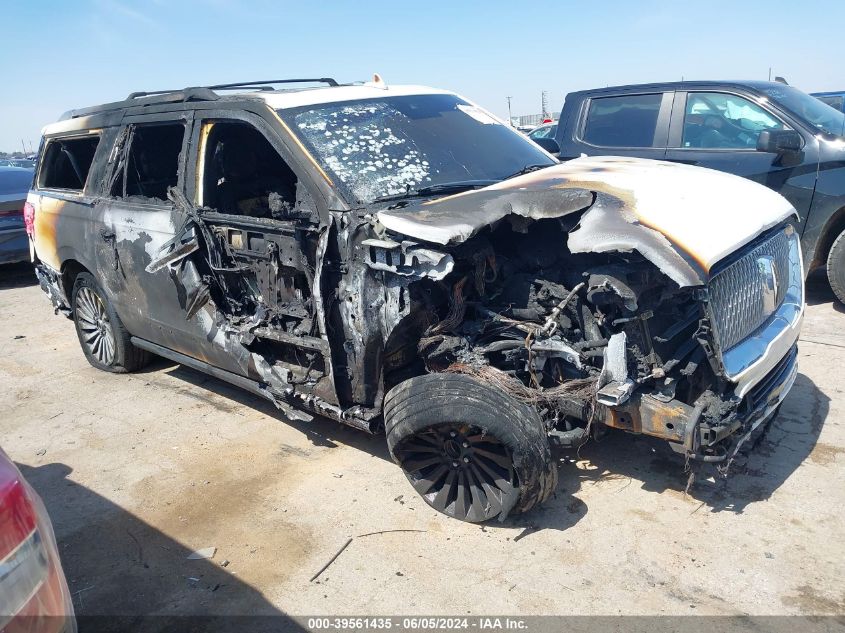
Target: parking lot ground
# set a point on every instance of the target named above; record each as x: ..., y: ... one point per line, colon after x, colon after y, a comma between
x: 137, y: 471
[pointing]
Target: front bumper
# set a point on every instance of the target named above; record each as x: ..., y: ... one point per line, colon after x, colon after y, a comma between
x: 682, y: 425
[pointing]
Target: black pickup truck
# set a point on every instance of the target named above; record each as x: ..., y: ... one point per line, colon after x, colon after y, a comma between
x: 768, y: 132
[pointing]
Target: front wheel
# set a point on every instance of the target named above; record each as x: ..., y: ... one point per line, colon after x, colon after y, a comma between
x: 471, y: 451
x: 105, y: 342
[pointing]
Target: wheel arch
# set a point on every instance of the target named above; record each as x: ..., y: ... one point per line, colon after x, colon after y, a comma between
x: 832, y: 229
x: 68, y: 274
x: 401, y: 359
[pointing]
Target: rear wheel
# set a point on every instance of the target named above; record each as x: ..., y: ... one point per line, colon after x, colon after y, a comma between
x: 105, y: 342
x: 836, y: 267
x: 471, y: 451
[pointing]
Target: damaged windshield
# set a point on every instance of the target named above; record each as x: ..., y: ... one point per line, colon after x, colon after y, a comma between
x: 412, y: 145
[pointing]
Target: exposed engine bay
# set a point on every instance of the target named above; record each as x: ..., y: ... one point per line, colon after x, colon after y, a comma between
x: 572, y: 334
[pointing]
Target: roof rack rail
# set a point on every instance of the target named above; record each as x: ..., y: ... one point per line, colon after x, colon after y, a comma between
x: 145, y: 98
x: 182, y: 94
x: 196, y: 93
x: 246, y: 84
x: 264, y: 85
x: 135, y: 95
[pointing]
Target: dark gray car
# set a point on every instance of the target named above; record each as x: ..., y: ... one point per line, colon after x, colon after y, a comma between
x: 14, y: 185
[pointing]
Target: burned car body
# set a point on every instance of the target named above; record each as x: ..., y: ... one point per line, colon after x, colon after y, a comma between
x: 398, y: 258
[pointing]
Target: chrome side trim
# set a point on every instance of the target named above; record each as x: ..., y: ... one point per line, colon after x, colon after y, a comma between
x: 750, y: 360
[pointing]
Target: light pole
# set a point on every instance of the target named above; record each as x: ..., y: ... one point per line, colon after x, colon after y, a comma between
x: 510, y: 117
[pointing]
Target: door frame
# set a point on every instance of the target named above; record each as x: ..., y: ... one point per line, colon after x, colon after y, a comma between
x: 661, y: 130
x: 109, y: 266
x: 676, y: 122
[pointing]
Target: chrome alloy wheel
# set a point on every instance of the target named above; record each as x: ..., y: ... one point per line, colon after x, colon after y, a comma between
x: 94, y: 324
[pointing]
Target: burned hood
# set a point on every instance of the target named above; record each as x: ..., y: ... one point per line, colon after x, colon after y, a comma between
x: 683, y: 219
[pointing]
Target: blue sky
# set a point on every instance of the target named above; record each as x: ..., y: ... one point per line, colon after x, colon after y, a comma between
x: 73, y: 54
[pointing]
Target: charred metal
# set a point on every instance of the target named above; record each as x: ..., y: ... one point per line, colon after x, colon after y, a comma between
x: 330, y: 313
x: 577, y: 335
x: 323, y: 256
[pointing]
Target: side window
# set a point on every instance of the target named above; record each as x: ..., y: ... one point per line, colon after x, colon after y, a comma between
x: 546, y: 131
x: 66, y: 162
x: 149, y: 161
x: 243, y: 174
x: 718, y: 120
x: 627, y: 121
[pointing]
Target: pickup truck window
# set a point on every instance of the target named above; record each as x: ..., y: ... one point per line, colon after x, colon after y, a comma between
x: 628, y: 121
x: 718, y: 120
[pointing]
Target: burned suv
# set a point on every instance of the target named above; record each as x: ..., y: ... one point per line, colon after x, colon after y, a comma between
x: 397, y: 258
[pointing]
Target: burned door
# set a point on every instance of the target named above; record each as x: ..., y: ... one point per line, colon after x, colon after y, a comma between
x: 260, y: 238
x: 137, y: 218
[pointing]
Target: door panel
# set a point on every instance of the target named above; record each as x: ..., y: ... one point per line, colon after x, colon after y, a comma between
x: 62, y: 227
x: 244, y: 266
x: 130, y: 237
x: 634, y: 125
x: 136, y: 222
x: 719, y: 130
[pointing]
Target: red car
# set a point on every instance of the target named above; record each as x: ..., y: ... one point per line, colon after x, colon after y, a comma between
x: 34, y: 596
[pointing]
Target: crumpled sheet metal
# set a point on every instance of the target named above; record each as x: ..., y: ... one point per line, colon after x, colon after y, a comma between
x: 681, y: 218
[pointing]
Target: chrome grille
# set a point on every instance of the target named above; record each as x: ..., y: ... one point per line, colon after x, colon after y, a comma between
x: 737, y: 300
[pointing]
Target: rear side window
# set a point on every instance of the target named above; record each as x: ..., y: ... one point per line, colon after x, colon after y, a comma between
x: 149, y: 161
x: 67, y: 162
x: 628, y: 121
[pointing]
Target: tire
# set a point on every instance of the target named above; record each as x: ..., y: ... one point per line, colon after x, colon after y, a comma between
x: 836, y: 267
x: 102, y: 336
x: 471, y: 451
